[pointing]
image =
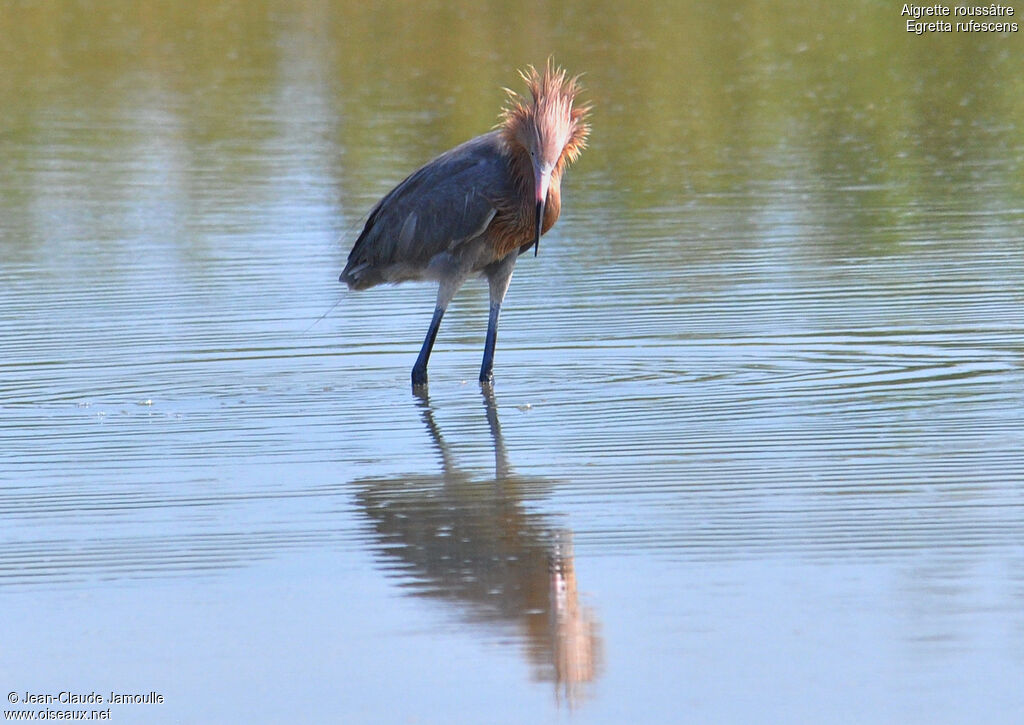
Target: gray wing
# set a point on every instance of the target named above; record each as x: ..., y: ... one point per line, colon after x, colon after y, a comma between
x: 448, y: 201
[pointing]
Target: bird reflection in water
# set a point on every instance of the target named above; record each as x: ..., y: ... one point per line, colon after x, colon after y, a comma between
x: 473, y: 542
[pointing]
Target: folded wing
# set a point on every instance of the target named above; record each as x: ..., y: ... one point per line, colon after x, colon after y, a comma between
x: 444, y: 204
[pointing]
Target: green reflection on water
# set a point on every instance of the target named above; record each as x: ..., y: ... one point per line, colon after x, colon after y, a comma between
x: 728, y: 101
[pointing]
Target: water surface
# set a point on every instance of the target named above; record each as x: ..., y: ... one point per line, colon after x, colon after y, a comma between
x: 754, y: 448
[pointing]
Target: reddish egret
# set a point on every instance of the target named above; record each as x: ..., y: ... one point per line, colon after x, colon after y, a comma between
x: 474, y: 209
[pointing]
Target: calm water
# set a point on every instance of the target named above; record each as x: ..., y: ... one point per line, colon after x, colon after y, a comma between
x: 754, y: 452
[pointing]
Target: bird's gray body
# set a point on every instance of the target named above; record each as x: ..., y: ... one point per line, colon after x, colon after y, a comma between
x: 437, y: 225
x: 434, y: 225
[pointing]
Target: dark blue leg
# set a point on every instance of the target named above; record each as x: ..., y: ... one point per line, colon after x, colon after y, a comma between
x: 486, y: 376
x: 498, y: 276
x: 419, y: 370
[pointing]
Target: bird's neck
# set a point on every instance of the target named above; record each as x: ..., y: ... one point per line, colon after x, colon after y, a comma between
x: 553, y: 207
x: 522, y: 173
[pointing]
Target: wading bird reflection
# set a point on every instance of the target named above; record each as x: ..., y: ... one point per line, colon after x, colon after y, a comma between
x: 479, y: 543
x: 474, y: 209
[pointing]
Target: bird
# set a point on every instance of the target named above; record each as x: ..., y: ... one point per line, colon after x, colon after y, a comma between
x: 475, y: 208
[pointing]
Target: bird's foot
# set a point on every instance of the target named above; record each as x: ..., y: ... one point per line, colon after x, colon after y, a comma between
x: 487, y: 379
x: 419, y: 378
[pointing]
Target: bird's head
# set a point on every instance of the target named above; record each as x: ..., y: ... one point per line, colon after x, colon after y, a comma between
x: 548, y: 127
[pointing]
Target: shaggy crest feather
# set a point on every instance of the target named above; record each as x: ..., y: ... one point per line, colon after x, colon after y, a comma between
x: 549, y: 112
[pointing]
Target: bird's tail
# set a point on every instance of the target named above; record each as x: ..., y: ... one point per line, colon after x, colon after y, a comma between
x: 360, y: 275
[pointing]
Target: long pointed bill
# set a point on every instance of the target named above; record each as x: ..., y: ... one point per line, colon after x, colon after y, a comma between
x: 540, y: 226
x: 541, y: 179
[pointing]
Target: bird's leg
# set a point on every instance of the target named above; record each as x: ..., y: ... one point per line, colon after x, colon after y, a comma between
x: 486, y: 375
x: 450, y: 284
x: 499, y: 278
x: 419, y: 370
